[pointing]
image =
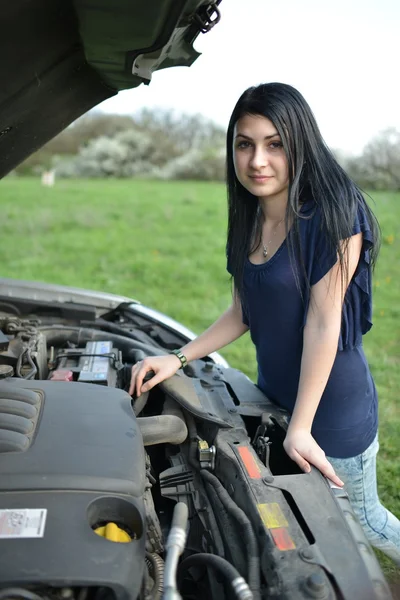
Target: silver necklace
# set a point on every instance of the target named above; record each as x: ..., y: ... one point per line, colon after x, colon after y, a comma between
x: 265, y: 246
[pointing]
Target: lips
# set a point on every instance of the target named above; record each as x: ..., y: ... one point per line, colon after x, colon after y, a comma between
x: 261, y: 178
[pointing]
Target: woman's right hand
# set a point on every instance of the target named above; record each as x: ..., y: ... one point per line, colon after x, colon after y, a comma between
x: 162, y: 367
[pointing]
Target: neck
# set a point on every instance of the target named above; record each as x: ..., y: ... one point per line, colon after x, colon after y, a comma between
x: 273, y: 208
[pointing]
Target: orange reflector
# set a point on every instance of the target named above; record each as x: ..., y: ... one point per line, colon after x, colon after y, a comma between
x: 249, y: 462
x: 282, y: 539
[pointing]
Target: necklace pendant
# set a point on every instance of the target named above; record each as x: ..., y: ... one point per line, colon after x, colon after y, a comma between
x: 265, y: 252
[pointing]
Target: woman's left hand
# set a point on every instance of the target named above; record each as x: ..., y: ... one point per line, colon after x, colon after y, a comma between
x: 300, y: 445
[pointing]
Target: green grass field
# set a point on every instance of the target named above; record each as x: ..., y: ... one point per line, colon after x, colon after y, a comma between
x: 163, y: 244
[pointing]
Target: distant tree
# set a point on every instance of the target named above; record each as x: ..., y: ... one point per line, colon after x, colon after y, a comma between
x: 156, y: 144
x: 68, y: 143
x: 184, y: 131
x: 104, y: 145
x: 130, y: 153
x: 95, y: 124
x: 196, y: 164
x: 379, y: 165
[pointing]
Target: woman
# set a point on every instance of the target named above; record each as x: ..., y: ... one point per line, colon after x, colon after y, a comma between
x: 301, y: 245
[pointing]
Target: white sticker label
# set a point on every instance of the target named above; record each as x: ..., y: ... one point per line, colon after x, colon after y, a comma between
x: 22, y: 523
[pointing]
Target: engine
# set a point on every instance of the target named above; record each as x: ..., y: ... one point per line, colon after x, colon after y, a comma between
x: 72, y: 463
x: 77, y: 515
x: 108, y: 497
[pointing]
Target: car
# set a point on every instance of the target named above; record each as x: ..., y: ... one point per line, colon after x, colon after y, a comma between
x: 183, y: 492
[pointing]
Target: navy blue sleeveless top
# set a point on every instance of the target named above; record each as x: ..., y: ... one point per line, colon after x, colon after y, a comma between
x: 346, y: 420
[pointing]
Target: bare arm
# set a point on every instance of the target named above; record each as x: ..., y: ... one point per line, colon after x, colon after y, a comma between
x: 228, y: 328
x: 225, y: 330
x: 320, y: 342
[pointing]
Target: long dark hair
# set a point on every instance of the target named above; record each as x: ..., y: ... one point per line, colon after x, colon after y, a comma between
x: 314, y: 175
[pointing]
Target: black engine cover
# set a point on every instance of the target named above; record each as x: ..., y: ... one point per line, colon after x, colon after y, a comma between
x: 71, y: 458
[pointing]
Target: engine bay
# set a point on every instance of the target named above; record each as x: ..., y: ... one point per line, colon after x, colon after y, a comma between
x: 184, y: 492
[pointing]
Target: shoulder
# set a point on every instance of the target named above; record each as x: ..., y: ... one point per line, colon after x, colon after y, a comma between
x: 311, y: 224
x: 310, y: 215
x: 316, y: 221
x: 318, y: 249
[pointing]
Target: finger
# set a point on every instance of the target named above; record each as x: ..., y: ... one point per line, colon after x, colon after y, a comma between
x: 138, y: 373
x: 300, y: 461
x: 141, y: 374
x: 328, y: 471
x: 152, y: 382
x: 133, y: 382
x: 134, y: 373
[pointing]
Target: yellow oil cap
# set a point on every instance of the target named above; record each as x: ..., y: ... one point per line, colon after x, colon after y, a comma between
x: 112, y: 532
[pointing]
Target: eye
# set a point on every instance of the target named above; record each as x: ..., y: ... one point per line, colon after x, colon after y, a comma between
x: 242, y: 145
x: 275, y: 145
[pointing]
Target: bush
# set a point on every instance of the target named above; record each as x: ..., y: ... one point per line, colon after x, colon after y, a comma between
x: 126, y: 155
x: 379, y: 166
x: 201, y: 165
x: 154, y: 144
x: 135, y: 154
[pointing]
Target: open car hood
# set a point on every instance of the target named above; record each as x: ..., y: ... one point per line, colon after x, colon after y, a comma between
x: 61, y: 58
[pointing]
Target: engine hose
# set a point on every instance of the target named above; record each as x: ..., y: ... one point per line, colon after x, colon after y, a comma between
x: 253, y: 558
x: 192, y: 432
x: 174, y: 547
x: 108, y: 327
x: 56, y: 335
x: 155, y: 565
x: 214, y: 526
x: 162, y: 429
x: 141, y: 400
x: 140, y: 403
x: 167, y: 428
x: 239, y: 586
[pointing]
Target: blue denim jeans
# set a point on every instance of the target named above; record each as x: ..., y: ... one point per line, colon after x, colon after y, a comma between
x: 358, y: 473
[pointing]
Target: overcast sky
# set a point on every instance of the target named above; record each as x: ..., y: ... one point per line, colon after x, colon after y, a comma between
x: 342, y: 55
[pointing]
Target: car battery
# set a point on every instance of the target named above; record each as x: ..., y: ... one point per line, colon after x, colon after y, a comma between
x: 96, y: 363
x: 95, y: 367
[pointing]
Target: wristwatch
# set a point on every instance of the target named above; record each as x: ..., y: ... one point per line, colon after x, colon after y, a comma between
x: 181, y: 357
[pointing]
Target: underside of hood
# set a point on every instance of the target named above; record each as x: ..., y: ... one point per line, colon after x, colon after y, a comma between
x: 60, y: 58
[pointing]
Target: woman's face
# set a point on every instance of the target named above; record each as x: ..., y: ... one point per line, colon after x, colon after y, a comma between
x: 259, y: 158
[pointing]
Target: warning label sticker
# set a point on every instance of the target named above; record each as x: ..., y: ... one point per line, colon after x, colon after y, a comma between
x: 22, y: 522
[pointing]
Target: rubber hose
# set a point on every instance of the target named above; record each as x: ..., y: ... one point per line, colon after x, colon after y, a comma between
x: 215, y: 529
x: 155, y: 565
x: 162, y: 429
x: 192, y: 430
x: 239, y: 515
x: 239, y: 586
x: 108, y: 327
x: 141, y: 400
x: 171, y: 407
x: 56, y: 335
x: 140, y: 403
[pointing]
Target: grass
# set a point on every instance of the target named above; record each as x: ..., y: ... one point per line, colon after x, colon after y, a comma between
x: 164, y: 244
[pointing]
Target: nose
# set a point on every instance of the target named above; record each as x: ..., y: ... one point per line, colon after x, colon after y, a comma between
x: 259, y: 158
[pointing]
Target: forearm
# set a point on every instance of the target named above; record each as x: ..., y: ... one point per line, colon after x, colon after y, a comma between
x: 320, y: 345
x: 225, y: 330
